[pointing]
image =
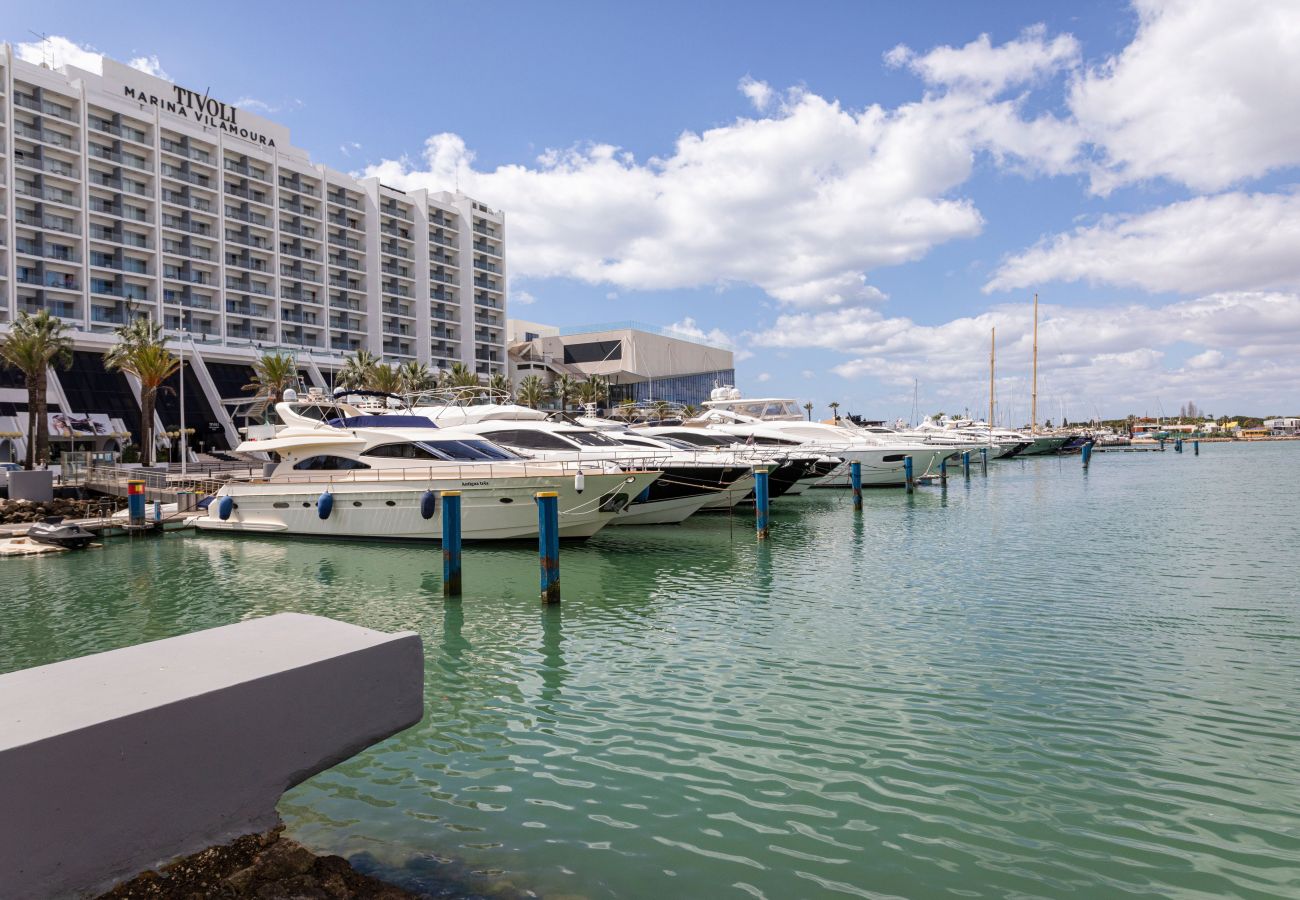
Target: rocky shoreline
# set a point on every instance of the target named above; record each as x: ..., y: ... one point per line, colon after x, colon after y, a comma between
x: 19, y: 512
x: 266, y: 866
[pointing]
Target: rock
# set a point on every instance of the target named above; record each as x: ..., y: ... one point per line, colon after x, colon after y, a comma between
x: 284, y: 859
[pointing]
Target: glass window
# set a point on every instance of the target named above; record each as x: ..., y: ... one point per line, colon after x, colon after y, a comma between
x: 590, y: 438
x: 403, y: 451
x: 529, y: 440
x: 471, y: 450
x: 701, y: 439
x: 332, y: 463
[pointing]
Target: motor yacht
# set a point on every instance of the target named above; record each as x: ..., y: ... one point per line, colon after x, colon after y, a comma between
x: 778, y: 422
x: 789, y: 471
x: 339, y: 471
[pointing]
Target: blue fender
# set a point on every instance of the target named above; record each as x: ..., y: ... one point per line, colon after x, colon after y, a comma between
x: 325, y: 505
x: 224, y: 507
x: 428, y: 504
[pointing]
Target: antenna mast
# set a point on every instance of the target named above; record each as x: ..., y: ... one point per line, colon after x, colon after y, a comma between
x: 993, y: 355
x: 1033, y: 415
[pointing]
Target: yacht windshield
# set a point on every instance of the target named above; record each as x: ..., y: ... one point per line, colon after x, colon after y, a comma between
x: 444, y: 451
x: 589, y: 438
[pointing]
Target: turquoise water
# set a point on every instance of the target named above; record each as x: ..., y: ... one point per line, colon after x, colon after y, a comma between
x: 1045, y: 682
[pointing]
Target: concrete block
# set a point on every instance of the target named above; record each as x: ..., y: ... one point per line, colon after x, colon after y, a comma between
x: 119, y: 762
x: 37, y: 485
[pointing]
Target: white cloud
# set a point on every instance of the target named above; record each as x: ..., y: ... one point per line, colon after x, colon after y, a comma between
x: 267, y: 107
x: 611, y: 295
x: 1232, y: 241
x: 57, y: 51
x: 1209, y: 359
x: 522, y: 298
x: 982, y: 67
x: 150, y: 65
x: 348, y: 148
x: 803, y: 202
x: 763, y: 376
x: 1206, y: 94
x: 758, y: 92
x: 1116, y: 353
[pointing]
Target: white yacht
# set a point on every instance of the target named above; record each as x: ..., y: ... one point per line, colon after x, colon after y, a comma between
x: 792, y: 471
x: 779, y: 422
x: 689, y: 479
x: 344, y: 473
x: 1002, y: 443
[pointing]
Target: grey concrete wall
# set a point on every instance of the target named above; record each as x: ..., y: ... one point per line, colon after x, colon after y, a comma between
x: 36, y: 485
x: 119, y: 762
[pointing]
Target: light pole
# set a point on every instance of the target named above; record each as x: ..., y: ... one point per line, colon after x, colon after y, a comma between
x: 181, y: 370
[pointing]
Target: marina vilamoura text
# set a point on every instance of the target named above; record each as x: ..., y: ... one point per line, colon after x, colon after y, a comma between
x: 321, y: 577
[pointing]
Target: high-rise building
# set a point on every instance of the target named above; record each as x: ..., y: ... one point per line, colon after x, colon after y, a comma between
x: 122, y: 194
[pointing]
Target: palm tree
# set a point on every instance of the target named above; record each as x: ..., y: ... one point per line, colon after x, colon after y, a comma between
x: 415, y: 377
x: 141, y: 351
x: 690, y: 411
x: 532, y: 391
x: 273, y: 374
x: 661, y: 409
x: 566, y: 388
x: 357, y: 370
x: 386, y: 378
x: 835, y: 410
x: 500, y: 383
x: 809, y: 407
x: 33, y: 344
x: 593, y: 390
x: 461, y: 376
x: 627, y: 410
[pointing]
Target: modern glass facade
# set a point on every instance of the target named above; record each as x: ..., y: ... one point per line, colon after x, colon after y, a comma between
x: 690, y: 390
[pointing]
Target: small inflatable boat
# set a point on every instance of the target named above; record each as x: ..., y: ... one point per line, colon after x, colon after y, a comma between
x: 55, y: 531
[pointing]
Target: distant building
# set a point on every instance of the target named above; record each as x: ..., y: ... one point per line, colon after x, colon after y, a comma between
x: 642, y: 362
x: 1283, y: 426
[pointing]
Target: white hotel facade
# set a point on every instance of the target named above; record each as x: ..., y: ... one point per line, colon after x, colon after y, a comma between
x: 123, y: 191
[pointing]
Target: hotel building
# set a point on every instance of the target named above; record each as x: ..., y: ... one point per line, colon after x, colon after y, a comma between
x: 121, y: 192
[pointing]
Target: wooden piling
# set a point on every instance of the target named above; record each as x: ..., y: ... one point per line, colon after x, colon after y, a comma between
x: 451, y: 543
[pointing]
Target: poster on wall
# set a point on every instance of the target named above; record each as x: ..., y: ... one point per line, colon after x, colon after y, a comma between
x: 77, y: 425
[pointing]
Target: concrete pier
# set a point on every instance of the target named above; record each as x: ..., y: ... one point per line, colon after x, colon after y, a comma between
x: 122, y: 761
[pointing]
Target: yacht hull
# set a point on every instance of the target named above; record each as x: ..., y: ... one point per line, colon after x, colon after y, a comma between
x: 491, y: 509
x: 662, y: 512
x: 884, y: 467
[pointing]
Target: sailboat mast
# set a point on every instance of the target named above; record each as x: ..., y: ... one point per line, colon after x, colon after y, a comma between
x: 993, y: 355
x: 1033, y: 414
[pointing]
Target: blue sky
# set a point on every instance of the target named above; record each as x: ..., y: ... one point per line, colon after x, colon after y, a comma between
x: 850, y: 195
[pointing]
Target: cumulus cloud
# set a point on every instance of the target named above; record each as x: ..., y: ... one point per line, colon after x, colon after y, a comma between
x: 57, y: 51
x: 1118, y: 353
x: 1205, y: 95
x: 759, y: 93
x: 1232, y: 241
x: 269, y: 107
x: 803, y: 202
x: 981, y: 66
x: 149, y: 65
x: 522, y: 298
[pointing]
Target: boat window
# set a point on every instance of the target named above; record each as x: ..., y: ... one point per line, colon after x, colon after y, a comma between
x: 316, y: 463
x: 771, y: 441
x: 590, y: 438
x: 312, y: 410
x: 471, y: 450
x: 403, y: 451
x: 636, y: 442
x: 528, y: 439
x: 702, y: 440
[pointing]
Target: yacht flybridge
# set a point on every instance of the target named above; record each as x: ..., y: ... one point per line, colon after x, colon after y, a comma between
x: 778, y: 422
x: 344, y: 472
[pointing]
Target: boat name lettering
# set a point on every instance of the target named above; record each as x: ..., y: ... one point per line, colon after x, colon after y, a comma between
x: 473, y: 484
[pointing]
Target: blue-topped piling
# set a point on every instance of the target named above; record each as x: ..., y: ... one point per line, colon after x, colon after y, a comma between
x: 1086, y: 453
x: 965, y: 463
x: 135, y: 502
x: 548, y: 544
x: 1196, y: 448
x: 762, y: 500
x: 855, y: 478
x: 451, y: 543
x: 907, y: 474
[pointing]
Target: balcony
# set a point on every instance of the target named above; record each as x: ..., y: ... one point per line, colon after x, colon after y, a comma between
x: 63, y: 254
x: 344, y: 303
x: 53, y: 166
x: 247, y: 194
x: 44, y: 107
x: 306, y: 318
x: 251, y: 263
x: 345, y: 222
x: 485, y: 247
x: 485, y: 230
x: 55, y: 280
x: 397, y: 309
x: 202, y: 181
x: 127, y: 159
x: 344, y: 200
x: 347, y: 283
x: 131, y: 292
x: 122, y: 131
x: 442, y: 278
x: 248, y: 240
x: 248, y: 287
x: 299, y: 187
x: 345, y: 262
x: 301, y: 296
x: 246, y: 170
x: 247, y: 309
x: 396, y: 290
x: 53, y: 138
x: 189, y: 152
x: 485, y: 266
x: 199, y: 228
x: 299, y: 274
x: 486, y: 283
x: 174, y: 274
x: 130, y: 239
x: 400, y: 271
x: 243, y: 216
x: 339, y: 240
x: 53, y: 195
x: 395, y: 231
x: 120, y: 184
x: 396, y: 213
x: 49, y: 223
x: 300, y: 230
x: 485, y: 300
